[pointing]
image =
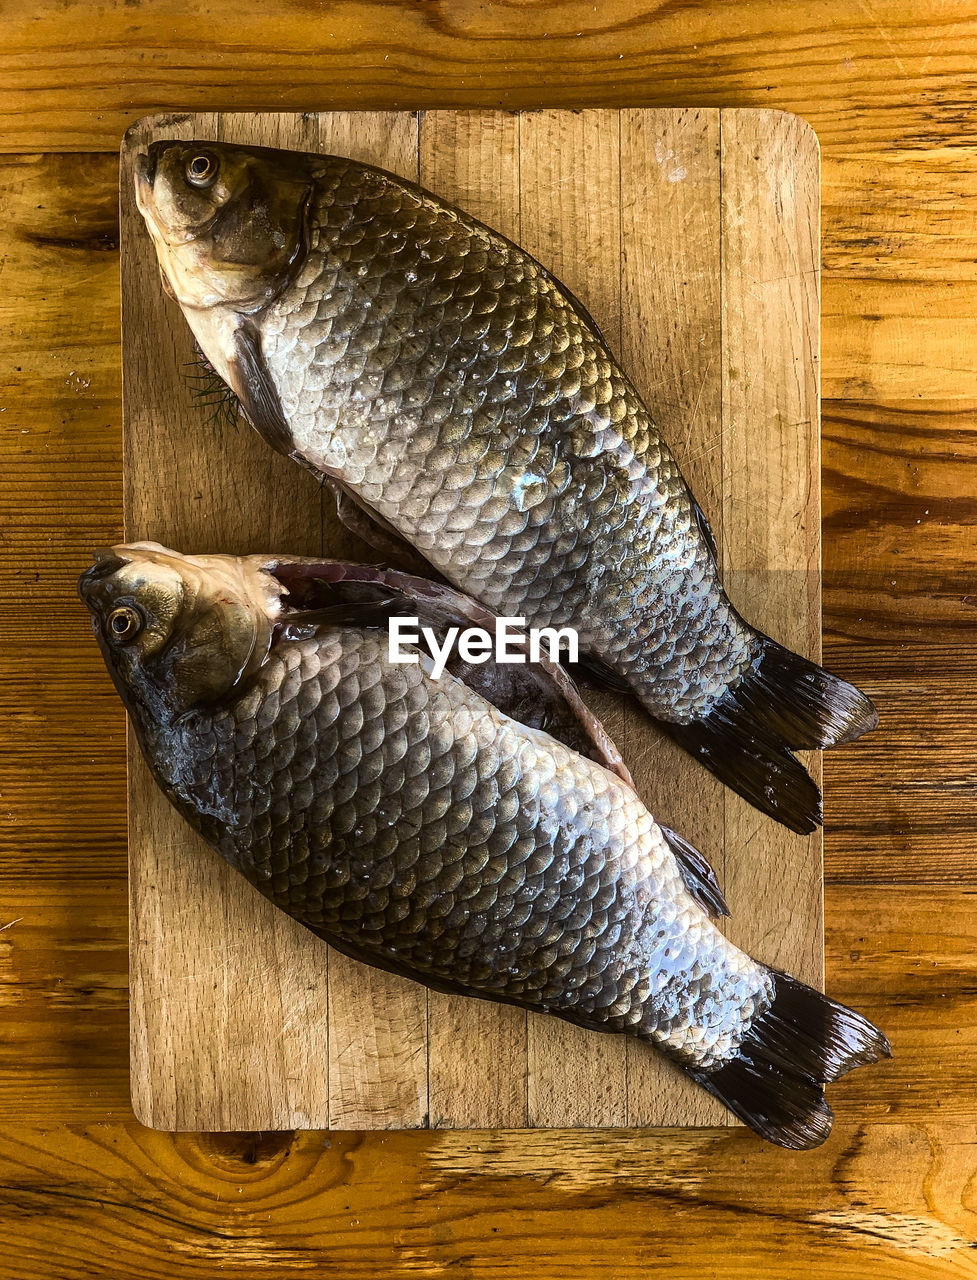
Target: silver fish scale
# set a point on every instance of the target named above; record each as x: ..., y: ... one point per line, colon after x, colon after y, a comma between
x: 450, y: 383
x: 411, y: 818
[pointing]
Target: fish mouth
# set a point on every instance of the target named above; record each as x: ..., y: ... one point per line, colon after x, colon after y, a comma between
x: 146, y: 164
x: 143, y: 179
x: 107, y: 562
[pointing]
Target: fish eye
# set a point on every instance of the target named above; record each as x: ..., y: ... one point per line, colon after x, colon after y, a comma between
x: 124, y: 623
x: 202, y: 168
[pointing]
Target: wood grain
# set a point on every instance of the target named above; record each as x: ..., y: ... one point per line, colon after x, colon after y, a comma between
x: 562, y: 183
x: 890, y: 91
x: 868, y: 77
x: 890, y: 1200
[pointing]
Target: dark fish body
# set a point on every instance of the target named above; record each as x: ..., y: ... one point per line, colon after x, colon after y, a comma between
x: 443, y: 380
x: 416, y: 825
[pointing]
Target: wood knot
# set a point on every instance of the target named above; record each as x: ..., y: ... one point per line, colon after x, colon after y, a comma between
x: 261, y: 1151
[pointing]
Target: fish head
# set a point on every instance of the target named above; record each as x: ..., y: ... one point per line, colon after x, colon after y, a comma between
x: 178, y: 632
x: 229, y: 223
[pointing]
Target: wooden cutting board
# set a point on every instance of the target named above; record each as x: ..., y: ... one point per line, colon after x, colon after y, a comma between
x: 693, y: 237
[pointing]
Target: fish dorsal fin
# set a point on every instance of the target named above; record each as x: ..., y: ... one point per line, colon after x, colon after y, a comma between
x: 539, y: 695
x: 699, y: 877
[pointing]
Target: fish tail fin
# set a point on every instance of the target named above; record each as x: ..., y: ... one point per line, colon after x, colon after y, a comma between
x: 800, y: 1042
x: 782, y: 704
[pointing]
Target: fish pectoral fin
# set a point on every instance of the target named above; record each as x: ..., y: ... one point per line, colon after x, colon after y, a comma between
x: 344, y: 613
x: 252, y: 384
x: 699, y: 877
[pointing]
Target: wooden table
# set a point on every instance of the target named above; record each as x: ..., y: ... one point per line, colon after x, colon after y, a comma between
x: 84, y: 1190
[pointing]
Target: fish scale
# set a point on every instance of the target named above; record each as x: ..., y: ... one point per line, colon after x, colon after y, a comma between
x: 497, y: 859
x: 460, y: 395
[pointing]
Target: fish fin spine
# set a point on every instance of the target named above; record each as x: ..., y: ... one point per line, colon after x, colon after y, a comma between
x: 800, y: 702
x: 697, y: 874
x: 754, y: 763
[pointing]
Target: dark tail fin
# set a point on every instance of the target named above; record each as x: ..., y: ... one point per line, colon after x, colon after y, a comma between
x: 802, y: 1041
x: 784, y: 703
